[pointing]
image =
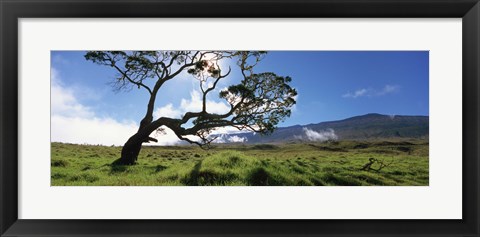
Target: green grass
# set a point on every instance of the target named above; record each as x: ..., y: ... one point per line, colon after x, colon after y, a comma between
x: 319, y: 164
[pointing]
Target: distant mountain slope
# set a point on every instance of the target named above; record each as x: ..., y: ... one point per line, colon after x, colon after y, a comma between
x: 369, y: 126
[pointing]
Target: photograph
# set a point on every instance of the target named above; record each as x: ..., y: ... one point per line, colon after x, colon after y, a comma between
x: 239, y: 118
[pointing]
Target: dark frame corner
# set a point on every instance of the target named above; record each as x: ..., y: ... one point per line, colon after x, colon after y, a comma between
x: 11, y: 10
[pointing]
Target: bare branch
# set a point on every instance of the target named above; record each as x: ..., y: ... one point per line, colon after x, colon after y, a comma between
x: 124, y: 74
x: 204, y: 107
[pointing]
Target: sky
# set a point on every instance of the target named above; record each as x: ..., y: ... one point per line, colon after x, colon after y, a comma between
x: 331, y: 85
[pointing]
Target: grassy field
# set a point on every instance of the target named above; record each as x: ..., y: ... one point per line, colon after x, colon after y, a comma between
x: 321, y: 164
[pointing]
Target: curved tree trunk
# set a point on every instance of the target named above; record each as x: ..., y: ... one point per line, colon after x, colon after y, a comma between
x: 132, y: 147
x: 130, y: 151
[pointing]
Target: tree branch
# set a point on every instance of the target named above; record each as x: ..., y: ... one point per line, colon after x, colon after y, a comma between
x: 132, y: 81
x: 204, y: 104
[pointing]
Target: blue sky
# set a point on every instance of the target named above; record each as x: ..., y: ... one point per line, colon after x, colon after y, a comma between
x: 331, y: 85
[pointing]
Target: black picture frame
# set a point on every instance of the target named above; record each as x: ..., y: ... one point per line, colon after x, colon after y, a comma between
x: 11, y: 11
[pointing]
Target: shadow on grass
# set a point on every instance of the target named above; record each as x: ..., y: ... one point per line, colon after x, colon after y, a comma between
x: 159, y: 168
x: 192, y: 179
x: 259, y: 177
x: 116, y: 168
x: 340, y: 180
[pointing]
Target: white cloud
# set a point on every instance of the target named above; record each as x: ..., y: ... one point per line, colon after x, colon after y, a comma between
x: 167, y: 111
x: 168, y: 137
x: 72, y: 122
x: 236, y: 138
x: 81, y: 130
x: 357, y: 93
x: 226, y: 138
x: 63, y: 100
x: 319, y: 136
x: 387, y: 89
x: 194, y: 104
x: 227, y: 130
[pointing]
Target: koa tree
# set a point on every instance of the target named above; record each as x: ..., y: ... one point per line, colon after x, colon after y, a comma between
x: 258, y: 103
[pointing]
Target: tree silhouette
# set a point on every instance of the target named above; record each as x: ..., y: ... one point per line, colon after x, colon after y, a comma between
x: 258, y: 103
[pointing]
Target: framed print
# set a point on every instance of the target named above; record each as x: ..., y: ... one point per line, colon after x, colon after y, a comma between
x: 163, y: 118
